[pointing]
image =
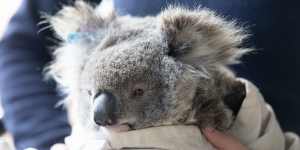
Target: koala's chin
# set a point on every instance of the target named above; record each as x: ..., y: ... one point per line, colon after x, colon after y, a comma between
x: 126, y: 72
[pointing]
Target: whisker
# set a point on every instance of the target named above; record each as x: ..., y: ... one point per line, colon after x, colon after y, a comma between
x: 44, y: 28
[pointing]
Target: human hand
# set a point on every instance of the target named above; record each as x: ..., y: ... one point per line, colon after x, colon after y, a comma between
x: 222, y: 141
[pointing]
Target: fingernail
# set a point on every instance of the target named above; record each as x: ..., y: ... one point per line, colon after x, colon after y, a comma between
x: 209, y: 130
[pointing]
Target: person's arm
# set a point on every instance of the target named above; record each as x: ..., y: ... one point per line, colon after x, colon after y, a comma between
x: 29, y: 101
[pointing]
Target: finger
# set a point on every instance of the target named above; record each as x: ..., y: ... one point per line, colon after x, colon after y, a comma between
x: 222, y: 141
x: 59, y: 147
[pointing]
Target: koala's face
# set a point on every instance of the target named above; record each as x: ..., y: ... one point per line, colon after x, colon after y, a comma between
x: 135, y: 83
x: 150, y: 71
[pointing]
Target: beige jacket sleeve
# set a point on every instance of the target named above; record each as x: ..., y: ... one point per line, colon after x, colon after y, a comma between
x: 257, y: 127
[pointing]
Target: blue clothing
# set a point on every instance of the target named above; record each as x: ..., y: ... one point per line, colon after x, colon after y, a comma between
x: 29, y: 101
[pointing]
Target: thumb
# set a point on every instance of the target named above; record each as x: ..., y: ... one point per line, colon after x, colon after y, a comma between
x: 222, y: 141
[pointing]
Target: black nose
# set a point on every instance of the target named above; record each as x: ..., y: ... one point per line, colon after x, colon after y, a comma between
x: 104, y: 109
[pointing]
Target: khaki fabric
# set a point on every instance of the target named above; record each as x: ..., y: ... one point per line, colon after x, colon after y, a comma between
x: 256, y: 126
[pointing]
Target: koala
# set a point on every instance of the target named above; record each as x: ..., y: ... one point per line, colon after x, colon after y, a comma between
x: 168, y: 69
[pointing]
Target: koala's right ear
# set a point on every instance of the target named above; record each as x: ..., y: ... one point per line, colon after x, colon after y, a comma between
x: 200, y: 37
x: 81, y: 17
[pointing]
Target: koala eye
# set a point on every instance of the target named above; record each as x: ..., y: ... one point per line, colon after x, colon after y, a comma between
x: 138, y: 92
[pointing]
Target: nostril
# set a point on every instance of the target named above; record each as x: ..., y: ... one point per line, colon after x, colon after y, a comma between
x: 100, y: 122
x: 104, y: 122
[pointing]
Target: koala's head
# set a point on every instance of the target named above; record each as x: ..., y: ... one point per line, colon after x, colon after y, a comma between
x: 151, y: 71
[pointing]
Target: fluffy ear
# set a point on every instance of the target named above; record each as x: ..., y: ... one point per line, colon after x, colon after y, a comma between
x: 81, y: 17
x: 200, y: 37
x: 75, y: 24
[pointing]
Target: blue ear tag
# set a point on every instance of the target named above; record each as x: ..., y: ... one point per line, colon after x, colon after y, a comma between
x: 74, y: 37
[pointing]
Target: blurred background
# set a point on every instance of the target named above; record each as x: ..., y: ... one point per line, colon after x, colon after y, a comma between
x: 7, y: 9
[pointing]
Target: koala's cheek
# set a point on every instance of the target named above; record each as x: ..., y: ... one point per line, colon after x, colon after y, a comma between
x: 181, y: 104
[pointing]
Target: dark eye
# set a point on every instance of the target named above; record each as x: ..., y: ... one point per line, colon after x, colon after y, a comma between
x: 138, y: 92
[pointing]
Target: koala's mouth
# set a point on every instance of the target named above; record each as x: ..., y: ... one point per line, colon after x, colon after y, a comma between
x: 124, y: 127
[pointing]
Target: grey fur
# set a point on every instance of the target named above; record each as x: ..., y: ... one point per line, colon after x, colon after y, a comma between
x: 178, y: 58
